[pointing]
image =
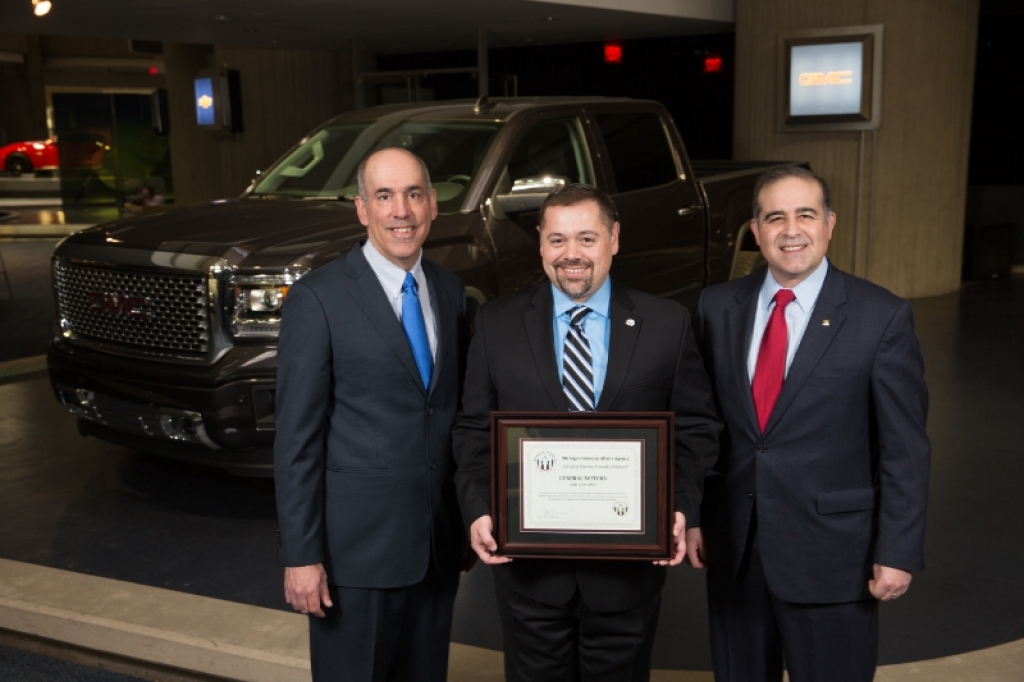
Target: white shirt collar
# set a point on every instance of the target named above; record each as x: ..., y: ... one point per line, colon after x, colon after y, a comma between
x: 806, y: 292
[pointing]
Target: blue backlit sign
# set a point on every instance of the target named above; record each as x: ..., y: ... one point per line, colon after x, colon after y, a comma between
x: 206, y: 114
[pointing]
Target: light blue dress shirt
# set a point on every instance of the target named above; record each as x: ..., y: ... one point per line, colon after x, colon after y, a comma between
x: 798, y: 313
x: 392, y: 278
x: 596, y: 326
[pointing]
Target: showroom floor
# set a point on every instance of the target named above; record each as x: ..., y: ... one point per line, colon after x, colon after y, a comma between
x: 88, y: 507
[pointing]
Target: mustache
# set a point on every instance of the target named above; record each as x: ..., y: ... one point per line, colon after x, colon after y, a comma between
x: 574, y: 263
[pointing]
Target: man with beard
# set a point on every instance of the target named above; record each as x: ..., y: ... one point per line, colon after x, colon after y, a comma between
x: 581, y: 343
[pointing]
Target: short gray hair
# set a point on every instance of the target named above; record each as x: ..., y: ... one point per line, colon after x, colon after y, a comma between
x: 361, y: 170
x: 779, y: 173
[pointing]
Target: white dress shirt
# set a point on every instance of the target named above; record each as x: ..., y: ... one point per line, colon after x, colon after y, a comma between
x: 391, y: 277
x: 798, y: 313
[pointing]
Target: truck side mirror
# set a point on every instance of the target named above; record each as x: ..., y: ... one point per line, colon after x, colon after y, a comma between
x: 528, y: 194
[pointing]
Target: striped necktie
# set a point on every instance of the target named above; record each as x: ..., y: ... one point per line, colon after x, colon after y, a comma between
x: 577, y: 365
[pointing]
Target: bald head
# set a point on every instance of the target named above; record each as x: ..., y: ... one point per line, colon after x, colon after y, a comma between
x: 383, y: 154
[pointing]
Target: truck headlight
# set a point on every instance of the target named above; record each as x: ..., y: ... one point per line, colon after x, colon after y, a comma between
x: 258, y: 300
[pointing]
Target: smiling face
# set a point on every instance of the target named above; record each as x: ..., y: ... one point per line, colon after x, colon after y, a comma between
x: 577, y: 246
x: 398, y: 207
x: 792, y: 228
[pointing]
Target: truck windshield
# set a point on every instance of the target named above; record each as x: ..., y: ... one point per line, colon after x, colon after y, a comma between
x: 324, y: 165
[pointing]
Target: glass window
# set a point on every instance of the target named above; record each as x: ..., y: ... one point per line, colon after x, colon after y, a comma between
x: 639, y: 150
x: 325, y: 164
x: 553, y: 148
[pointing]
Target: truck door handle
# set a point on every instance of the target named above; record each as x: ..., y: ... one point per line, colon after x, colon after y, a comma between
x: 689, y: 210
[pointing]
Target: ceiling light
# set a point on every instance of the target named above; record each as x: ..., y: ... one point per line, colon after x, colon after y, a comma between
x: 41, y: 7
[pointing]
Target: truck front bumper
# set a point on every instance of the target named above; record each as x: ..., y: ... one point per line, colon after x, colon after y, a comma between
x: 215, y: 415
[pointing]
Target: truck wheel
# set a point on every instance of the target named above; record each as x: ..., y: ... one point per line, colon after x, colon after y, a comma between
x: 747, y: 262
x: 17, y: 164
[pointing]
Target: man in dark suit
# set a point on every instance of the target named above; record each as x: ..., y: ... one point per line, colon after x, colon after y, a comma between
x: 815, y: 510
x: 579, y: 343
x: 368, y: 383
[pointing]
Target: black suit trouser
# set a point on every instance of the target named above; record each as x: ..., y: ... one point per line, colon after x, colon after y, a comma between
x: 753, y: 632
x: 385, y: 635
x: 569, y: 642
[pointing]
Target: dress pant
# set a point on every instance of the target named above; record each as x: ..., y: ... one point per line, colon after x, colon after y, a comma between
x: 753, y: 632
x: 570, y: 642
x: 393, y: 635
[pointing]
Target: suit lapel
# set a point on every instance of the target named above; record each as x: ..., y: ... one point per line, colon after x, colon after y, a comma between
x: 370, y: 296
x: 816, y: 340
x: 739, y: 327
x: 539, y: 325
x: 621, y: 343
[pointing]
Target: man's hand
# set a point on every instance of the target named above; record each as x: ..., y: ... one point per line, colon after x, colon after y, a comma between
x: 889, y: 583
x: 695, y: 555
x: 305, y: 588
x: 678, y: 541
x: 482, y: 542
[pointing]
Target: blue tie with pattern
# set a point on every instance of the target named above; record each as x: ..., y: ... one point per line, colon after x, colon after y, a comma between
x: 577, y: 364
x: 415, y: 328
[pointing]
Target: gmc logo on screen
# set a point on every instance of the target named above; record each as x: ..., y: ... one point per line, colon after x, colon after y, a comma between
x: 814, y: 79
x: 114, y: 304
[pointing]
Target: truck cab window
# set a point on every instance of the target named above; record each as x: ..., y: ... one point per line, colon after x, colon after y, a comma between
x: 553, y: 148
x: 639, y: 150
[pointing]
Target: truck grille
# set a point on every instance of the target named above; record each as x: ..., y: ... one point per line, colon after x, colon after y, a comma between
x: 146, y: 313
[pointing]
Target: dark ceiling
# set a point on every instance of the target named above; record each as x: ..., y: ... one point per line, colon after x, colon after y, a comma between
x: 396, y: 26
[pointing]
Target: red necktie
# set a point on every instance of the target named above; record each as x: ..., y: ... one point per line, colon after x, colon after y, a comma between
x: 771, y: 359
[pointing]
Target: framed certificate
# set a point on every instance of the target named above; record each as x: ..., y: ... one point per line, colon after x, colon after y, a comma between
x: 582, y: 485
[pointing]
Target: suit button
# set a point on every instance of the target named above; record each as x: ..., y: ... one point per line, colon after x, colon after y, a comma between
x: 750, y: 496
x: 433, y: 465
x: 430, y: 410
x: 762, y: 448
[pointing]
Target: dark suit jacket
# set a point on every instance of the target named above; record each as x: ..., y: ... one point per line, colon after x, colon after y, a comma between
x: 840, y: 475
x: 652, y: 366
x: 362, y: 459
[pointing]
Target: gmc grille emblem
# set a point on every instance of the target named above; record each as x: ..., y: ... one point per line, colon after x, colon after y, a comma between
x: 115, y: 304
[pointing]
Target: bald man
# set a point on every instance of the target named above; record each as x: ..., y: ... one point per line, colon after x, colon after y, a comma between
x: 368, y: 385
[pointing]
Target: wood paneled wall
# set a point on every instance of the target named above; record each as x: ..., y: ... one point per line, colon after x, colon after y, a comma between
x: 285, y: 94
x: 906, y: 230
x: 195, y: 154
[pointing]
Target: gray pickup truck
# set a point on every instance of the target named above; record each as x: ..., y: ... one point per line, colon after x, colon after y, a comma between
x: 167, y: 324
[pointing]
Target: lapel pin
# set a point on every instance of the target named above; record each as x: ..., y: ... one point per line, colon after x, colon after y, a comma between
x: 825, y: 323
x: 630, y: 322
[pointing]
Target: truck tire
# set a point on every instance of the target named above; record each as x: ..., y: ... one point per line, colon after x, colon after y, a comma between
x: 747, y: 262
x: 18, y: 164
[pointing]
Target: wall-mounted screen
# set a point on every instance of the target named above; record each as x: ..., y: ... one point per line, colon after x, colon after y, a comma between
x: 831, y: 79
x: 218, y: 100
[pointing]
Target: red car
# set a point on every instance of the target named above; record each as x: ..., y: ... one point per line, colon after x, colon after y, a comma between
x: 28, y: 157
x: 79, y: 149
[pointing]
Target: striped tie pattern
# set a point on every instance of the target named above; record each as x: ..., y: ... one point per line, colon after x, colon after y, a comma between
x: 577, y: 365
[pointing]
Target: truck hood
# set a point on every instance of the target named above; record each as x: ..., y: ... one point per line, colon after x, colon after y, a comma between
x: 245, y: 232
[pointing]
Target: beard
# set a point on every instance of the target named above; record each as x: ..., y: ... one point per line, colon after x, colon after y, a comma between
x: 574, y: 288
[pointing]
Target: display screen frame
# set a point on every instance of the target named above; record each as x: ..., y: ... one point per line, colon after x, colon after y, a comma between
x: 867, y: 117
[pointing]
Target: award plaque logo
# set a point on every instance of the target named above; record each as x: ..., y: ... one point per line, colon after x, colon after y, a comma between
x: 621, y: 508
x: 545, y: 461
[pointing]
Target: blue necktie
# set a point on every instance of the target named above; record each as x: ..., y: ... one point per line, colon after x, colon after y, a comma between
x: 577, y: 364
x: 415, y: 328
